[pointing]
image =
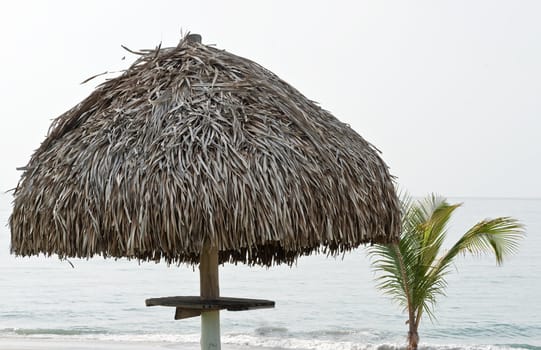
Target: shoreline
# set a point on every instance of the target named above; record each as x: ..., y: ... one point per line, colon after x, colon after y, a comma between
x: 17, y: 343
x: 51, y: 343
x: 20, y: 343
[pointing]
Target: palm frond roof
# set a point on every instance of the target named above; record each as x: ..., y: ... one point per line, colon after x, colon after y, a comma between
x: 193, y: 143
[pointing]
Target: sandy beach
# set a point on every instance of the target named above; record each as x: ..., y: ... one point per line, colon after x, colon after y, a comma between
x: 42, y: 344
x: 56, y: 344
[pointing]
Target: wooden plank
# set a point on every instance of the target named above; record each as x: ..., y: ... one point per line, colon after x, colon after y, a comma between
x: 181, y: 313
x: 220, y: 303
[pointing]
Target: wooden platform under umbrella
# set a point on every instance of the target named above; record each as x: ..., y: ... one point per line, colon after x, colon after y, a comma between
x: 195, y: 155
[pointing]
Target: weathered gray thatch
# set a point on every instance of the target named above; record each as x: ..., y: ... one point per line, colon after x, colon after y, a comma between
x: 193, y: 143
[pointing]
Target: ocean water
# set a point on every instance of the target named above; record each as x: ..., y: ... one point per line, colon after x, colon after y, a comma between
x: 321, y: 303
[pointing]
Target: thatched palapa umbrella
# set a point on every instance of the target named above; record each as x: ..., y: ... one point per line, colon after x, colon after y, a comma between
x: 195, y: 155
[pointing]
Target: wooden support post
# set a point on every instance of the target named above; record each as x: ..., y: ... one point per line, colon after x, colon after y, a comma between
x: 210, y: 289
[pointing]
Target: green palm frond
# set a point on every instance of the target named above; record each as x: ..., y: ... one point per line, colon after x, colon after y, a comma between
x: 433, y: 233
x: 395, y: 262
x: 500, y: 236
x: 391, y: 280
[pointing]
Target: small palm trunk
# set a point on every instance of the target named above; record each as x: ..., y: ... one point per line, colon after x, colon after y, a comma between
x: 413, y: 339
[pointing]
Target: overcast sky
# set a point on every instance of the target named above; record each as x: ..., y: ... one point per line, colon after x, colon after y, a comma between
x: 449, y: 91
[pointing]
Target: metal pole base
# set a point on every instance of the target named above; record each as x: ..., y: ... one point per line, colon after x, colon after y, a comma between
x: 210, y: 330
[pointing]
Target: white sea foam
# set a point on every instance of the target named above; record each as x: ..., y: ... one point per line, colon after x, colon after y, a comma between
x: 61, y: 334
x: 317, y: 344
